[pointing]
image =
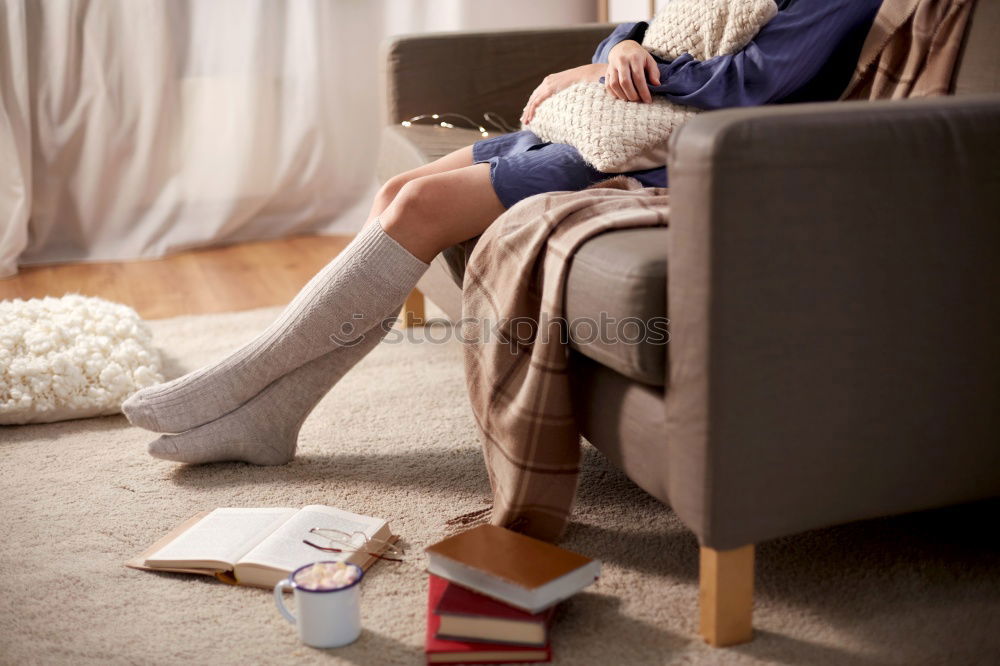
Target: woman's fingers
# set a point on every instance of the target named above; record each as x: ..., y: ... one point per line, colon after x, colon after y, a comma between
x: 614, y: 86
x: 542, y: 93
x: 625, y: 81
x: 653, y: 71
x: 639, y: 81
x: 529, y: 108
x: 631, y: 70
x: 531, y: 113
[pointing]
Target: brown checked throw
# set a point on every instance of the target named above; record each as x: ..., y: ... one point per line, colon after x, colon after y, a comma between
x: 911, y: 50
x: 516, y: 353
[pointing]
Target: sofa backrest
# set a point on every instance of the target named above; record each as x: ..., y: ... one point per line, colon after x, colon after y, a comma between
x: 979, y: 63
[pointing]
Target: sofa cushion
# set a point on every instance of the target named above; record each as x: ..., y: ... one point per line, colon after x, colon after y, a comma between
x: 616, y: 302
x: 405, y: 148
x: 617, y: 284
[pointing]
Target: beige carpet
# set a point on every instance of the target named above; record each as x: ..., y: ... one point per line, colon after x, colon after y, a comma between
x: 395, y: 439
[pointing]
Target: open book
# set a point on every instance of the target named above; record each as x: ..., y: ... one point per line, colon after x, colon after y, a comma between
x: 260, y: 547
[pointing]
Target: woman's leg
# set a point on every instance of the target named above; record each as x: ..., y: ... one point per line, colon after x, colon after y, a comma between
x: 363, y: 286
x: 264, y: 430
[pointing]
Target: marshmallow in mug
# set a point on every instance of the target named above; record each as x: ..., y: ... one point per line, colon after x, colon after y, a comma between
x: 327, y: 576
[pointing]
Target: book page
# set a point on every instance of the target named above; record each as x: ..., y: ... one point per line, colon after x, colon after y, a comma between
x: 224, y: 535
x: 284, y: 548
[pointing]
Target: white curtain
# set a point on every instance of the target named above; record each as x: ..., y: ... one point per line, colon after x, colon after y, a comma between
x: 135, y: 128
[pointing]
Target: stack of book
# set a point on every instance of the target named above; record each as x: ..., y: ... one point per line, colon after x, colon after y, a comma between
x: 492, y: 593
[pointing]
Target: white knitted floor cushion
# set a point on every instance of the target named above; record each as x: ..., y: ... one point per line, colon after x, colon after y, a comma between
x: 71, y: 357
x: 616, y: 135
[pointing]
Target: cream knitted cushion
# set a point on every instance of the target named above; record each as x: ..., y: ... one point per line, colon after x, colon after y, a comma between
x: 616, y: 135
x: 706, y: 28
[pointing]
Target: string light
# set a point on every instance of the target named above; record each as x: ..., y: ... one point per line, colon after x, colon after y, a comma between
x: 491, y: 118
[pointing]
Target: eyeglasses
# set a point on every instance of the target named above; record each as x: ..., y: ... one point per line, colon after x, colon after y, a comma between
x: 347, y: 542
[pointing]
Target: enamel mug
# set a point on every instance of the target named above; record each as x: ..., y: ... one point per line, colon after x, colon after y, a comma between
x: 325, y: 618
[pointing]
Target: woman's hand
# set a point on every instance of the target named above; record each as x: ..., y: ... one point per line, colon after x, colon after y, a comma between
x: 553, y: 83
x: 628, y: 66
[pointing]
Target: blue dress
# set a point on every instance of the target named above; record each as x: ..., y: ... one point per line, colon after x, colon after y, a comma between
x: 806, y: 53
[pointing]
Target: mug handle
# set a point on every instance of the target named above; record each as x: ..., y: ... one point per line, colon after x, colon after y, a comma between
x: 279, y: 599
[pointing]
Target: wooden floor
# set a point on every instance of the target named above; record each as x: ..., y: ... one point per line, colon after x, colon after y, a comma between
x: 238, y: 277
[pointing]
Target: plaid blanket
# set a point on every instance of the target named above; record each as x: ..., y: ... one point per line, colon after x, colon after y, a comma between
x: 516, y: 348
x: 516, y: 352
x: 911, y: 50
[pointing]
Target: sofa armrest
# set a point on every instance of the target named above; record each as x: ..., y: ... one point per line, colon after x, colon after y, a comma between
x: 833, y: 273
x: 474, y: 72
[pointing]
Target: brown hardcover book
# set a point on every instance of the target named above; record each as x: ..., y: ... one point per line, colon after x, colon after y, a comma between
x: 526, y: 573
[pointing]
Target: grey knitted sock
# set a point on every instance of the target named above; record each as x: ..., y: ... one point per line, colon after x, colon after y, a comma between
x: 265, y: 430
x: 366, y: 283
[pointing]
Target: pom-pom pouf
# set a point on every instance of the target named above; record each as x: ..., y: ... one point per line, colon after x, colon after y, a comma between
x: 71, y: 357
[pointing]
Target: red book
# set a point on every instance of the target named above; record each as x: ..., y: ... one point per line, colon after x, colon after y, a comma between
x: 467, y: 615
x: 440, y: 651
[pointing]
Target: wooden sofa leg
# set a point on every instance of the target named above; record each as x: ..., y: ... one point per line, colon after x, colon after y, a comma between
x: 413, y: 310
x: 726, y: 595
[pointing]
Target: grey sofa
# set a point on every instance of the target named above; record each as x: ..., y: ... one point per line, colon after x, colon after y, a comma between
x: 831, y: 276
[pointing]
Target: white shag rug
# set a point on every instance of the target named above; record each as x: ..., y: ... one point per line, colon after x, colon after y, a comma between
x: 396, y: 439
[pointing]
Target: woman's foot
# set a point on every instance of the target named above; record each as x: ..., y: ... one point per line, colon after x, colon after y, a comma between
x: 246, y: 434
x: 265, y: 430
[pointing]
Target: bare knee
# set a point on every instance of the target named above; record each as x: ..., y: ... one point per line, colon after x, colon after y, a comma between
x: 413, y: 204
x: 414, y: 217
x: 433, y: 212
x: 391, y: 187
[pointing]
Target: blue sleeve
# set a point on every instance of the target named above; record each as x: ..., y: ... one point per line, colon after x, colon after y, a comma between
x: 786, y: 54
x: 620, y: 34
